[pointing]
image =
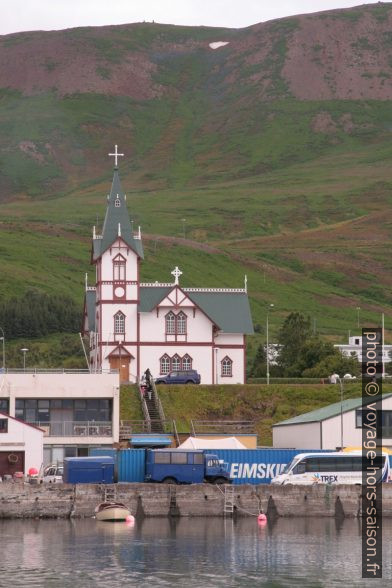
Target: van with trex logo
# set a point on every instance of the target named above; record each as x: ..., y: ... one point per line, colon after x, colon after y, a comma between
x: 330, y: 468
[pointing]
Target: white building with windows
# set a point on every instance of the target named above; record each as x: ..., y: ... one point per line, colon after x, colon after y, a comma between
x: 331, y: 427
x: 165, y: 327
x: 354, y: 349
x: 74, y: 412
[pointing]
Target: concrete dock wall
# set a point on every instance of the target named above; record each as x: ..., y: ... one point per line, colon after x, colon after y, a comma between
x: 151, y: 500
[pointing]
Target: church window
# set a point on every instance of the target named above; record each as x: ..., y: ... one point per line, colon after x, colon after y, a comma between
x: 117, y: 203
x: 119, y: 323
x: 186, y: 362
x: 227, y: 367
x: 181, y: 324
x: 165, y: 364
x: 176, y: 363
x: 119, y: 265
x: 170, y: 324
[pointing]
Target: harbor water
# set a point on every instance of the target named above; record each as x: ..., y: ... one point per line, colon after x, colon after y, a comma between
x: 198, y: 552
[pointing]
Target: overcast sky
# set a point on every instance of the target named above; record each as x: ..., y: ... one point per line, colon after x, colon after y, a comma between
x: 27, y: 15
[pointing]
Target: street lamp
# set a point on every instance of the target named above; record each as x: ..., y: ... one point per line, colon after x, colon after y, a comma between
x: 2, y: 338
x: 183, y: 226
x: 341, y: 411
x: 267, y: 346
x: 24, y: 351
x: 358, y: 309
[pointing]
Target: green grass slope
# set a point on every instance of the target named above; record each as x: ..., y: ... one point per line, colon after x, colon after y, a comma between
x: 293, y: 191
x: 264, y: 405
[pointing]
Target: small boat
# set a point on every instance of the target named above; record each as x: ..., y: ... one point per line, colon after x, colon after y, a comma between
x: 111, y: 511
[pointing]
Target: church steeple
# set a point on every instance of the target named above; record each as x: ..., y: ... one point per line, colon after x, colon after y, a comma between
x: 117, y: 222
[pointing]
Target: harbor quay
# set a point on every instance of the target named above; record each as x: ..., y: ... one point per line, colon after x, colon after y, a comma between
x: 23, y: 500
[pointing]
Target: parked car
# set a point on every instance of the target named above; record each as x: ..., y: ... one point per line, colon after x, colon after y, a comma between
x: 180, y: 377
x: 53, y: 474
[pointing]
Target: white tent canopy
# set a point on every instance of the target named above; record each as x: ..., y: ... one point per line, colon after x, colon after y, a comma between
x: 223, y: 443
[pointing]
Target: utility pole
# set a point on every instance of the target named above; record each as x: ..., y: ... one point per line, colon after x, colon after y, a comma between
x: 267, y: 350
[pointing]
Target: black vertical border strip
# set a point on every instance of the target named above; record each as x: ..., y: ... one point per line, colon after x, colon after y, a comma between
x: 372, y: 358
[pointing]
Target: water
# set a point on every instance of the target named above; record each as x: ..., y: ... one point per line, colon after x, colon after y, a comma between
x: 189, y: 553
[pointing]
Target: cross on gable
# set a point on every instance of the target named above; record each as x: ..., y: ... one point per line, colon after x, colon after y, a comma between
x: 176, y: 273
x: 116, y: 155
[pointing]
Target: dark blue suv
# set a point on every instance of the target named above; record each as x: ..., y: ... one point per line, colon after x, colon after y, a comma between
x: 180, y: 377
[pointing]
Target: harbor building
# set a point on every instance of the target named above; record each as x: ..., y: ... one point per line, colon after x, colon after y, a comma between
x: 74, y: 411
x: 166, y: 327
x: 331, y: 427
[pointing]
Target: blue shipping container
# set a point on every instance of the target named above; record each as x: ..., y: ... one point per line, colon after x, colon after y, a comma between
x: 130, y: 463
x: 89, y: 470
x: 246, y: 466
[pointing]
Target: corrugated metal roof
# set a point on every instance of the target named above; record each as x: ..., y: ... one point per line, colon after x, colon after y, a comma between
x: 326, y: 412
x: 151, y: 440
x: 116, y: 214
x: 151, y: 296
x: 229, y: 310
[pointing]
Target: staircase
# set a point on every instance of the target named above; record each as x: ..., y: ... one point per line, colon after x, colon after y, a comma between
x: 152, y: 406
x: 228, y: 507
x: 153, y: 411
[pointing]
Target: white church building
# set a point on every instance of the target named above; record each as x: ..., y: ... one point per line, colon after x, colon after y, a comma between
x: 165, y: 327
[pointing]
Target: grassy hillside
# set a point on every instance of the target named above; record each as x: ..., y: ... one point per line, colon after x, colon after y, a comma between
x: 264, y: 405
x: 292, y: 189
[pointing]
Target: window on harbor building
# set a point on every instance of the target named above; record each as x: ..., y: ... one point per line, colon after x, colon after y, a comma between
x: 186, y: 362
x: 34, y: 410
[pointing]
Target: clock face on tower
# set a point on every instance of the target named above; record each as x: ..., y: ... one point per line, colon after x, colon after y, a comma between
x: 119, y: 291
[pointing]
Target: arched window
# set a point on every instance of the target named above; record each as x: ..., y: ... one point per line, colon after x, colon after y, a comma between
x: 165, y: 364
x: 181, y: 324
x: 176, y: 363
x: 170, y: 324
x: 186, y: 362
x: 227, y: 367
x: 119, y: 265
x: 119, y: 323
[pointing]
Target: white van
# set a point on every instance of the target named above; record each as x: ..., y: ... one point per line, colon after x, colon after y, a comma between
x: 327, y: 468
x: 53, y: 474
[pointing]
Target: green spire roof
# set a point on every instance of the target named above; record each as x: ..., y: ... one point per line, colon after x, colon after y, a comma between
x: 116, y: 222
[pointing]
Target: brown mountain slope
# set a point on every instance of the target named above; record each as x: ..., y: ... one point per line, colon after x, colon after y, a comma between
x: 343, y: 54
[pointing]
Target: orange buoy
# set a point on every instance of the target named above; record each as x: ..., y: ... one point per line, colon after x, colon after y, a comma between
x: 130, y: 520
x: 262, y: 518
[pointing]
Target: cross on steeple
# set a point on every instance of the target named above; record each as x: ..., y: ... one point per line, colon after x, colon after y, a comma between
x: 176, y: 273
x: 116, y: 154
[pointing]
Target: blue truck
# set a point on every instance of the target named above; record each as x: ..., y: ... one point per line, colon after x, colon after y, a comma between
x: 185, y: 467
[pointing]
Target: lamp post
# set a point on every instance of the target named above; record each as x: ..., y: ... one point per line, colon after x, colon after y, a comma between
x: 24, y: 351
x: 183, y: 226
x: 358, y: 309
x: 341, y: 411
x: 2, y: 338
x: 267, y: 346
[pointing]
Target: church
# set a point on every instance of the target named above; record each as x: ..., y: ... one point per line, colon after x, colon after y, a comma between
x: 132, y: 326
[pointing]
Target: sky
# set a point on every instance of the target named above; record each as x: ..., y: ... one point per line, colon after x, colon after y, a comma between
x: 27, y: 15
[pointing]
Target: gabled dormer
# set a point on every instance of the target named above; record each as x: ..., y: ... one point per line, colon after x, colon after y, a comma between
x: 116, y: 224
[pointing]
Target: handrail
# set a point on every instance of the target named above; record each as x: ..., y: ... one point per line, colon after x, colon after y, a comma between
x: 146, y: 414
x: 224, y: 427
x: 176, y: 433
x: 75, y: 428
x: 157, y: 400
x: 56, y: 371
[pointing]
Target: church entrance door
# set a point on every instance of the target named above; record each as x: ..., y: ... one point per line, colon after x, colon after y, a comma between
x: 121, y: 364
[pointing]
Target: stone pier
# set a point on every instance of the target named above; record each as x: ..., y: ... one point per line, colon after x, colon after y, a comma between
x: 22, y: 500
